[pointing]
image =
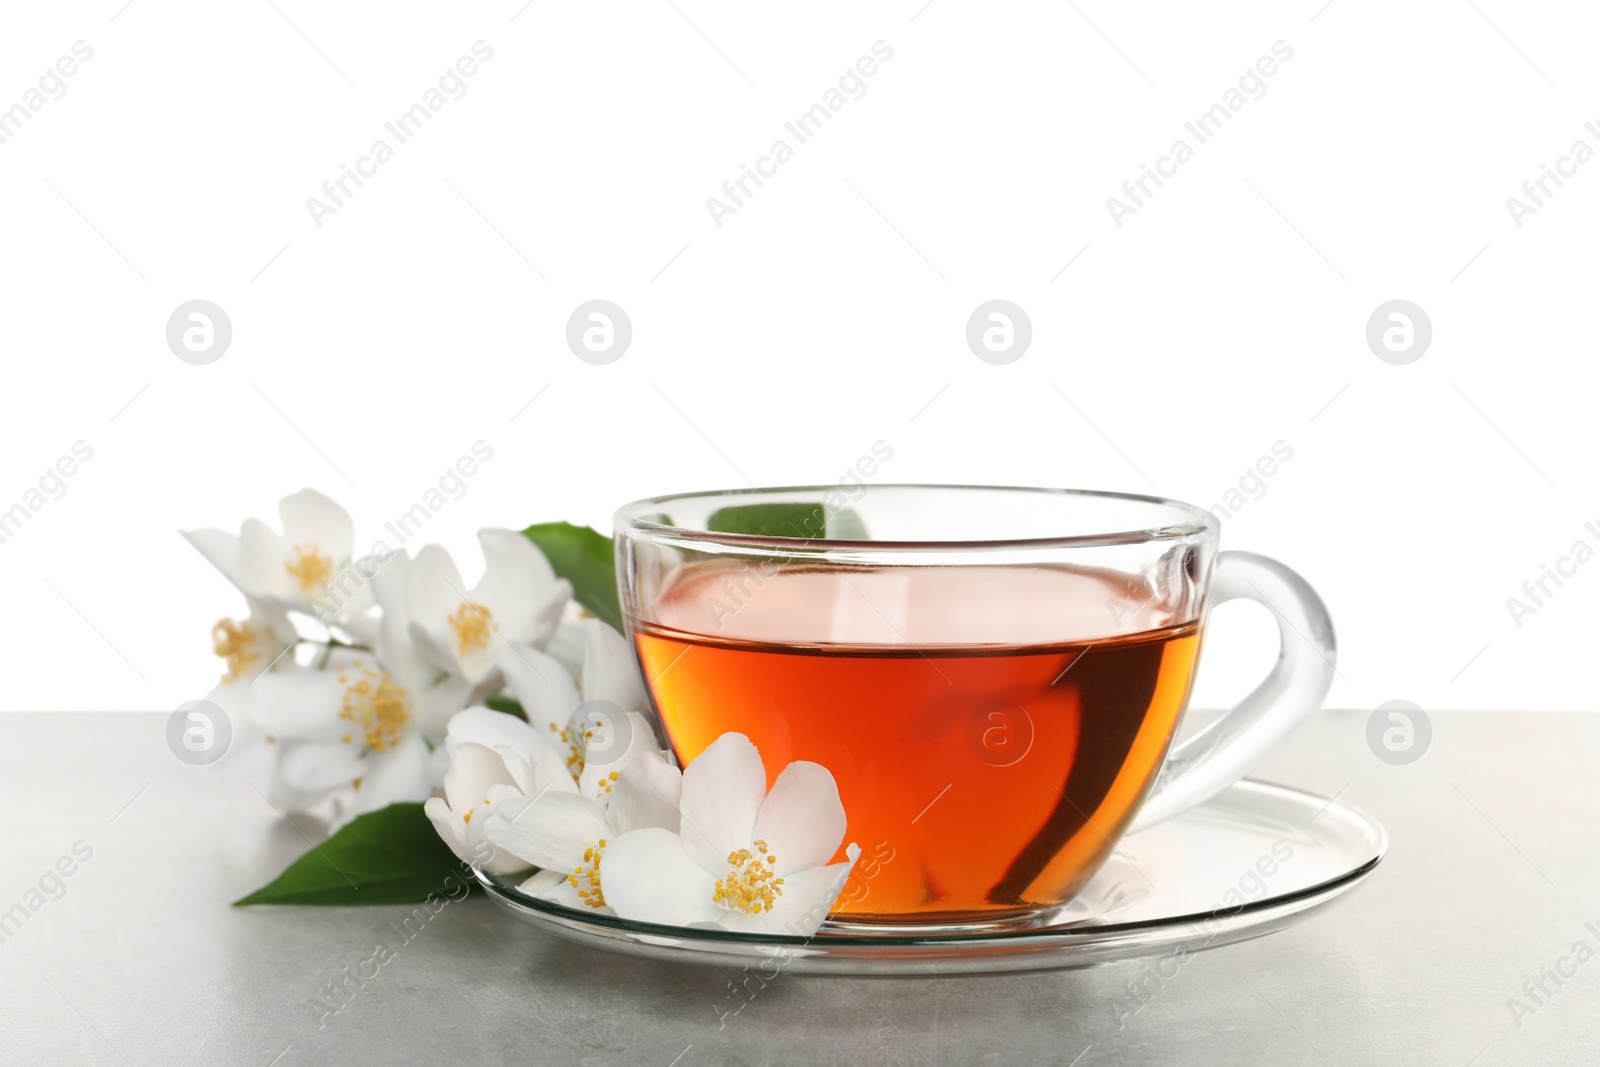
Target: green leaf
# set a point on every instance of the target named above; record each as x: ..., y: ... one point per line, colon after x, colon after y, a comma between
x: 585, y: 558
x: 392, y: 856
x: 805, y: 521
x: 507, y: 705
x: 809, y: 522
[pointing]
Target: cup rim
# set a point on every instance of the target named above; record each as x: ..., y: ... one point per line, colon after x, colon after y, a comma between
x: 1203, y: 527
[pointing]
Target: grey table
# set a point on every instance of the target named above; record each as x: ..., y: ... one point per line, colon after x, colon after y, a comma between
x: 1492, y: 875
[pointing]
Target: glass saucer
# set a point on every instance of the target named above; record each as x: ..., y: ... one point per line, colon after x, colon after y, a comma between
x: 1255, y: 859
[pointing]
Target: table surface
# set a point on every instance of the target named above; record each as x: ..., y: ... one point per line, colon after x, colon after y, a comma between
x: 1492, y: 875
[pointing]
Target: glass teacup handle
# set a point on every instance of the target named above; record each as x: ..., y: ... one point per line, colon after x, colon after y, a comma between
x: 1252, y: 729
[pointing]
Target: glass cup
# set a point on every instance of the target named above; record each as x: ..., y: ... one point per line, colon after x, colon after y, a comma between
x: 993, y: 675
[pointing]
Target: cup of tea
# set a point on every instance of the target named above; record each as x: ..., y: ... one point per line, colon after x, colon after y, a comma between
x: 993, y: 675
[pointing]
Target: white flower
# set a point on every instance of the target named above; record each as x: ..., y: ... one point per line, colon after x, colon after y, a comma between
x: 440, y: 693
x: 594, y: 719
x: 357, y: 723
x: 744, y: 859
x: 494, y: 757
x: 250, y: 647
x: 519, y: 600
x: 298, y: 569
x: 491, y: 729
x: 253, y: 645
x: 348, y: 726
x: 263, y: 640
x: 476, y: 781
x: 567, y: 833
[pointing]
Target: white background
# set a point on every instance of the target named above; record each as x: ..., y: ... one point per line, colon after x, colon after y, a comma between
x: 828, y: 313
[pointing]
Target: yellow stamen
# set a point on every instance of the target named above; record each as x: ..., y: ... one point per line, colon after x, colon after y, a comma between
x: 471, y: 622
x: 574, y: 753
x: 586, y: 880
x: 309, y: 568
x: 378, y: 706
x: 750, y: 885
x: 234, y: 642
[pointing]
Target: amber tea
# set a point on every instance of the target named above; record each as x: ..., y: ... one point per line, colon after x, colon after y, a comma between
x: 986, y: 779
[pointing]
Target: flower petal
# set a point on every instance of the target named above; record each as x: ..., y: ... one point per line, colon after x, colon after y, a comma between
x: 501, y: 791
x: 520, y: 769
x: 542, y: 686
x: 272, y: 624
x: 481, y: 665
x: 396, y: 776
x: 281, y: 794
x: 567, y: 645
x: 487, y: 855
x: 741, y: 923
x: 309, y: 765
x: 438, y: 766
x: 547, y: 617
x: 361, y: 626
x: 649, y: 876
x: 433, y: 646
x: 389, y: 584
x: 434, y: 703
x: 802, y: 820
x: 398, y: 648
x: 541, y: 883
x: 433, y: 588
x: 236, y: 699
x: 550, y: 770
x: 564, y: 893
x: 550, y: 830
x: 262, y: 570
x: 610, y: 670
x: 647, y: 793
x: 808, y: 896
x: 310, y: 517
x: 518, y: 586
x: 722, y: 793
x: 221, y: 550
x: 449, y: 826
x: 473, y: 769
x: 490, y: 728
x: 608, y: 740
x: 300, y: 705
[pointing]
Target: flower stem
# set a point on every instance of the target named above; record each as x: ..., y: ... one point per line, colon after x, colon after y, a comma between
x: 329, y: 645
